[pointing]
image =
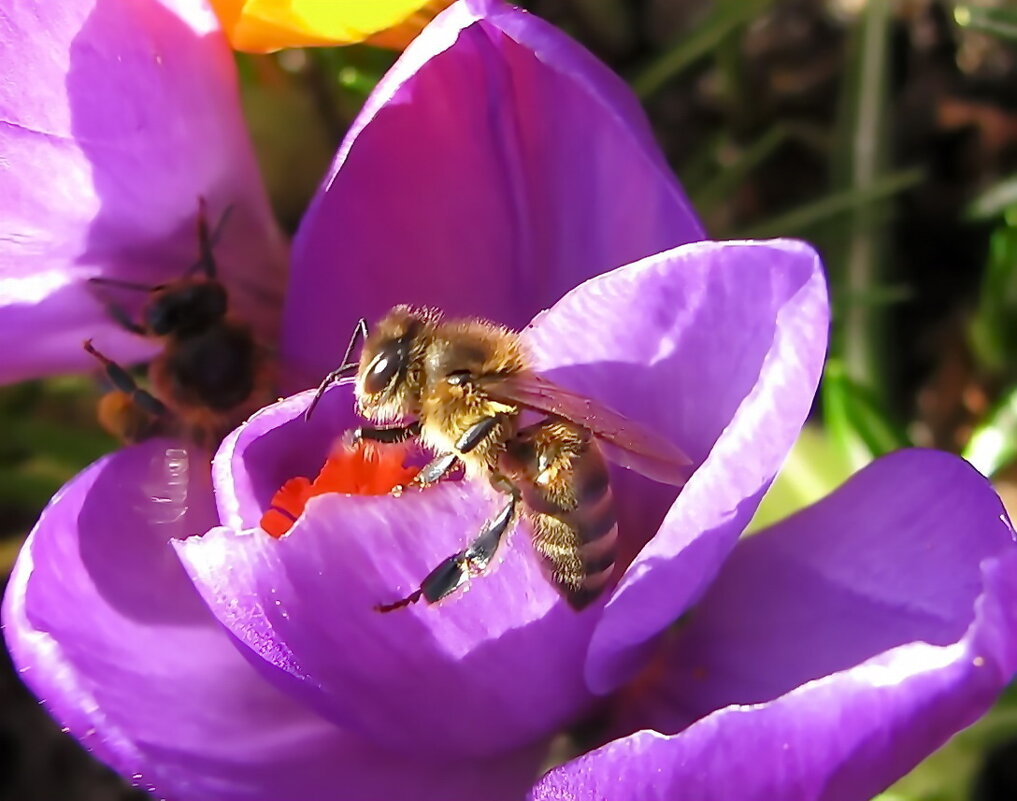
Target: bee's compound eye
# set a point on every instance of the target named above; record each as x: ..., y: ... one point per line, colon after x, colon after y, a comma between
x: 384, y: 367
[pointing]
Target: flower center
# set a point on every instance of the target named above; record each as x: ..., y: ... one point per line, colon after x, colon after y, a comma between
x: 365, y: 468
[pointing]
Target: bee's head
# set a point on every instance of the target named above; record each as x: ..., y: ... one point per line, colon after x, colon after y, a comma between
x: 186, y: 306
x: 390, y: 376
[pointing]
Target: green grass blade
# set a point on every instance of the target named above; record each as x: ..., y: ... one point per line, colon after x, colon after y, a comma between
x: 726, y: 18
x: 797, y: 221
x: 733, y: 174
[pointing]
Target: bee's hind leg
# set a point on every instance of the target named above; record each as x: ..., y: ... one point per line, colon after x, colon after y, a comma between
x: 123, y: 381
x: 457, y: 569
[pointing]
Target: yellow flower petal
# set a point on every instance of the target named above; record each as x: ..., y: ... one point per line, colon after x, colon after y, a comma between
x: 261, y: 26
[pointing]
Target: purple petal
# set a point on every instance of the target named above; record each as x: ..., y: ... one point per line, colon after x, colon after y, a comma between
x: 106, y: 629
x: 718, y: 347
x: 495, y: 167
x: 114, y: 118
x: 838, y: 648
x: 710, y: 316
x: 492, y: 668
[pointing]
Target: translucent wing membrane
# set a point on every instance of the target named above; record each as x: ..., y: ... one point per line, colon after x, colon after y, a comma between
x: 624, y: 441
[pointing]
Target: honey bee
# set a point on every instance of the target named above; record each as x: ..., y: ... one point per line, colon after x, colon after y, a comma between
x: 463, y: 385
x: 211, y: 372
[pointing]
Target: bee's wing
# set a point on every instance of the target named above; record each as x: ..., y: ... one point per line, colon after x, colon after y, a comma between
x: 625, y: 442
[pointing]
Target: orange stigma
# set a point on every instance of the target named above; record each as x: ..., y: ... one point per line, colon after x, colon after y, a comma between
x: 361, y: 469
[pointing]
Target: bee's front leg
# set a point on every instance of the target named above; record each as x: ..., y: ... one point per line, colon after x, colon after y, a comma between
x: 441, y: 464
x: 388, y: 434
x: 117, y: 313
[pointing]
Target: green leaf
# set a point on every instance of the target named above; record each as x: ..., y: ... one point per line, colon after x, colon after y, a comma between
x: 50, y: 434
x: 993, y: 327
x: 64, y: 443
x: 30, y: 487
x: 993, y: 444
x: 814, y: 468
x: 857, y: 422
x: 357, y: 68
x: 1001, y: 22
x: 994, y: 201
x: 357, y: 80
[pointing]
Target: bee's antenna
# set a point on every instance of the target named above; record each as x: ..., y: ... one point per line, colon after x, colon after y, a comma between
x: 208, y: 239
x: 121, y: 284
x: 335, y: 377
x: 219, y: 226
x: 339, y: 375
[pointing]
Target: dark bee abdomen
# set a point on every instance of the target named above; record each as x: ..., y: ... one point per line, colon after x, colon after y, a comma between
x: 214, y: 369
x: 565, y: 486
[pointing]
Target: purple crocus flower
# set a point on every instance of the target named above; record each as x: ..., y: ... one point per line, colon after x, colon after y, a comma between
x: 115, y: 117
x: 499, y: 170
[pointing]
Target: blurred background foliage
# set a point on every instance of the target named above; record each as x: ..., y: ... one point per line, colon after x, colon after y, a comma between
x: 883, y: 132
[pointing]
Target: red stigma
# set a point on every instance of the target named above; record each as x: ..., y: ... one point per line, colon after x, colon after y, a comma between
x: 361, y: 469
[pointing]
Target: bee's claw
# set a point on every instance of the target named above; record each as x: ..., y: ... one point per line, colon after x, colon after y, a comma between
x: 412, y: 598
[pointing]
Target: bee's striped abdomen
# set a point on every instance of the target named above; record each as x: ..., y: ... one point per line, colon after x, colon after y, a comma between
x: 566, y: 489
